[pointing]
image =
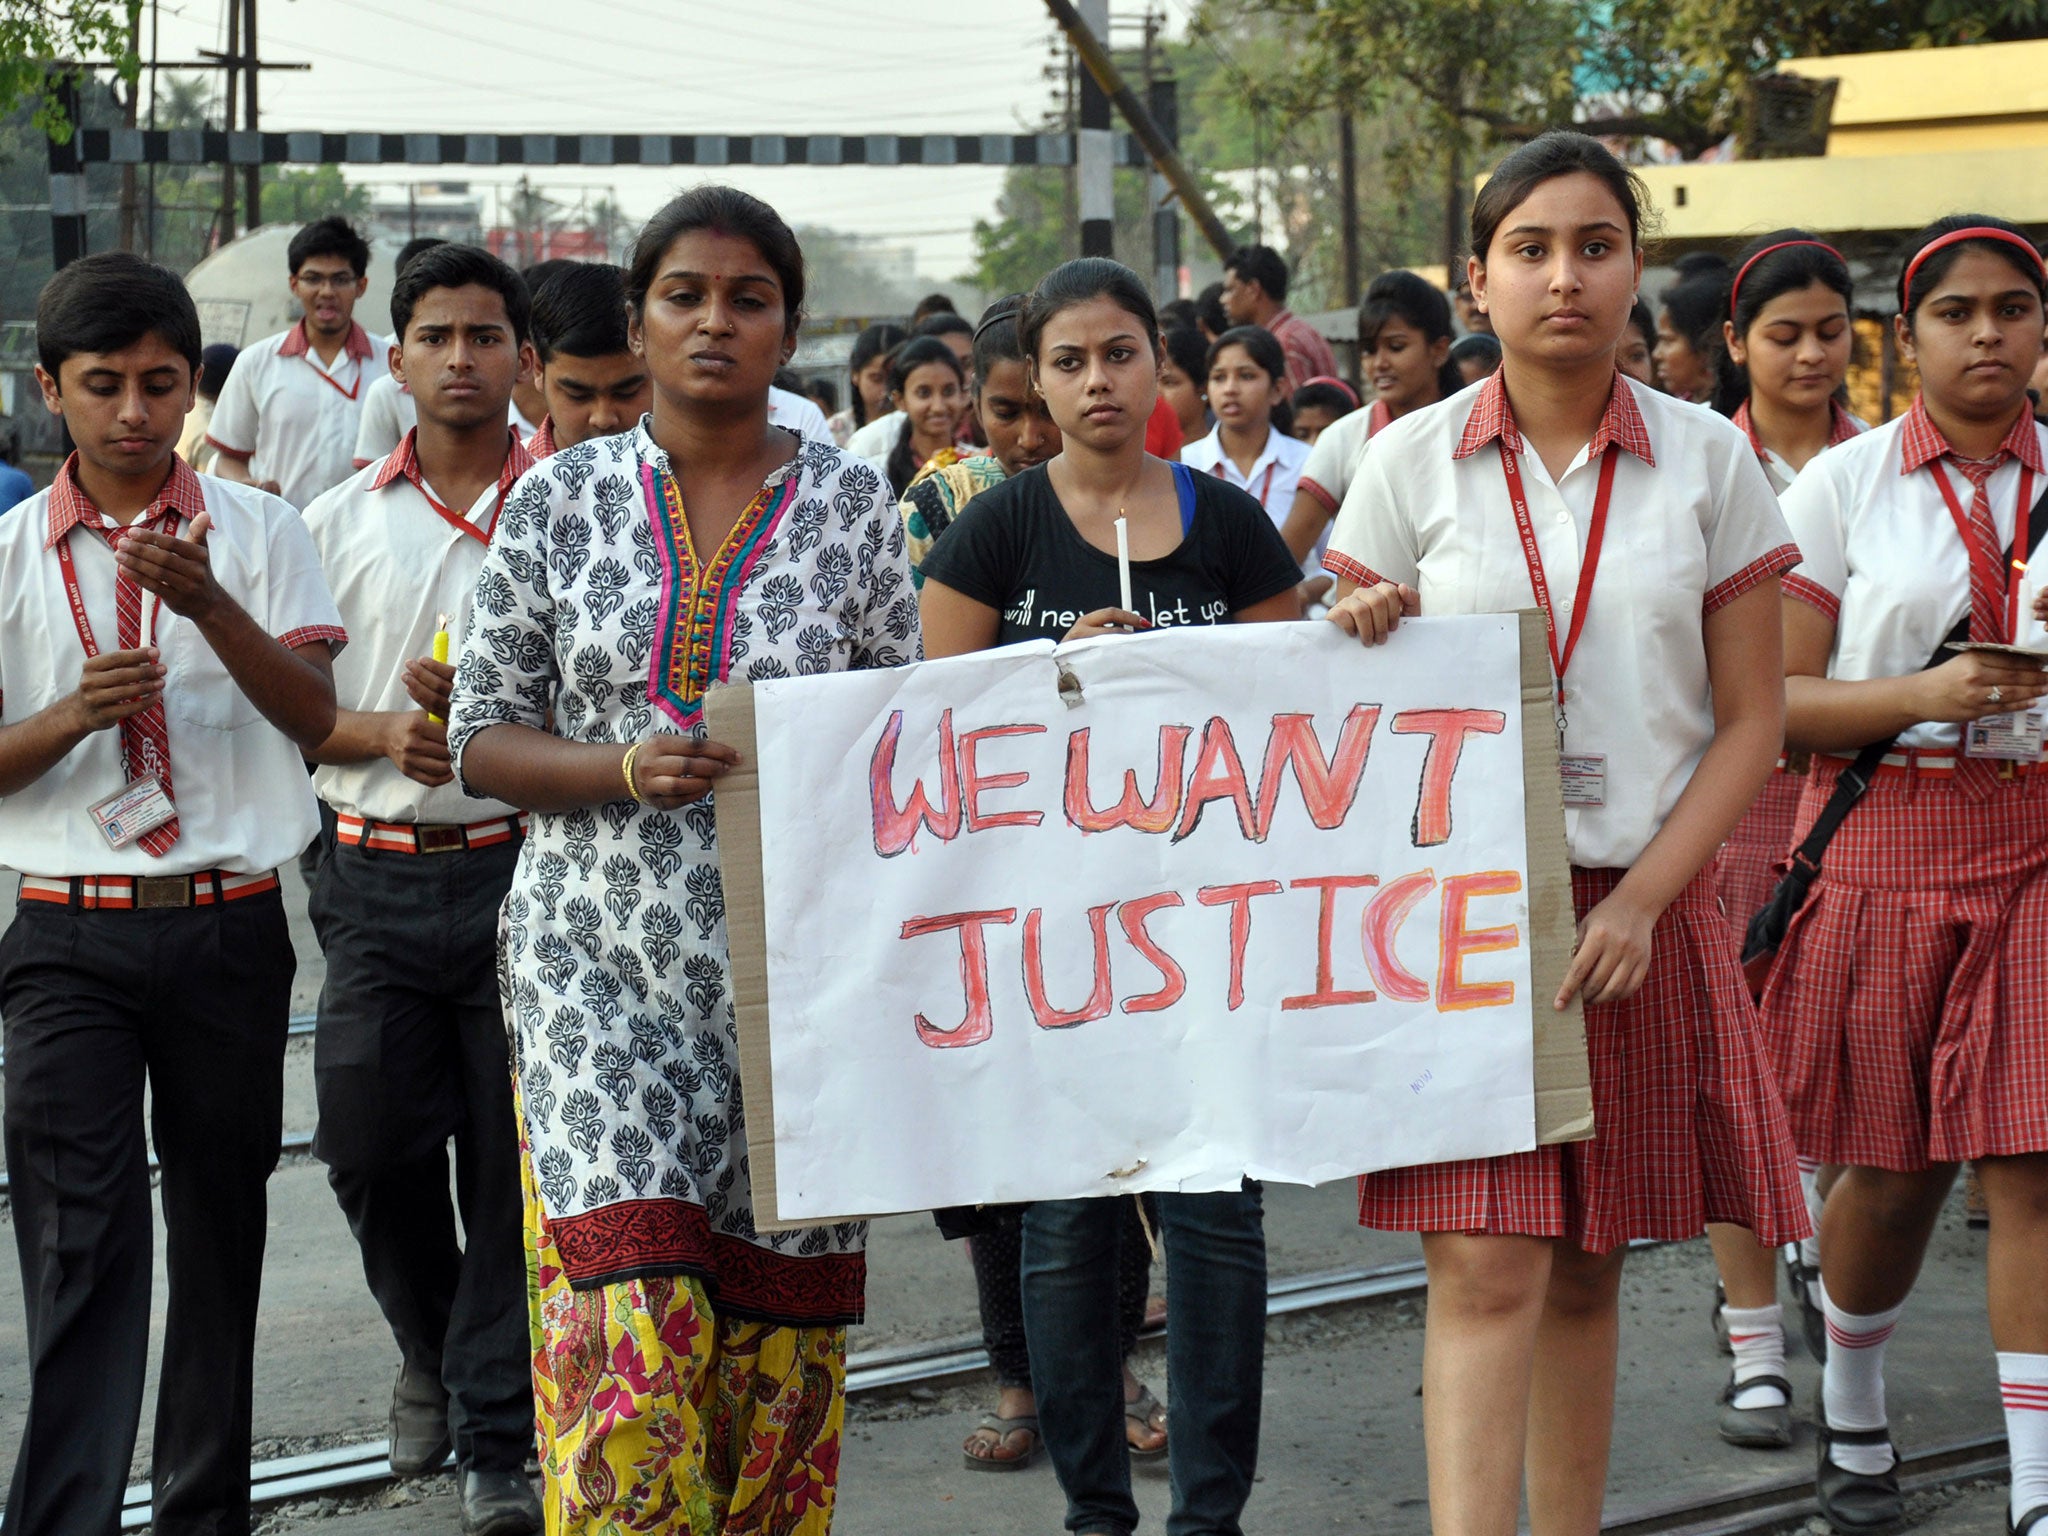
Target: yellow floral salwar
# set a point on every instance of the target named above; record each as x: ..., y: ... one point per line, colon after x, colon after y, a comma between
x: 657, y: 1415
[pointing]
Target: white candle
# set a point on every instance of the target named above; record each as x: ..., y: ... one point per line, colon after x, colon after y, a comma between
x: 1123, y: 561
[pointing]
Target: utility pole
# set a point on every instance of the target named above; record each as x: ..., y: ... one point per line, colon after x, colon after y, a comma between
x: 67, y: 178
x: 1094, y: 149
x: 252, y: 175
x: 129, y: 209
x: 1165, y: 104
x: 1347, y: 199
x: 231, y: 61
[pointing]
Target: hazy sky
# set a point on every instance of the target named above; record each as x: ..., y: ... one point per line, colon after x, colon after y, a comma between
x: 674, y: 66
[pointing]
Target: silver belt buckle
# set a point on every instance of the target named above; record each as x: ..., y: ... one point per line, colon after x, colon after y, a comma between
x: 159, y: 892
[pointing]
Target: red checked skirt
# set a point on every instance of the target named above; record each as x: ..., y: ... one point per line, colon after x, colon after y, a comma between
x: 1747, y: 868
x: 1907, y: 1010
x: 1689, y: 1126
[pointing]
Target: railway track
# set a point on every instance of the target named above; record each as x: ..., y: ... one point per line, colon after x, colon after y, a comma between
x: 1768, y: 1505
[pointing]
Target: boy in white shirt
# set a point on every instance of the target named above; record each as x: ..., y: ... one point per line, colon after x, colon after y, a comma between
x: 166, y: 647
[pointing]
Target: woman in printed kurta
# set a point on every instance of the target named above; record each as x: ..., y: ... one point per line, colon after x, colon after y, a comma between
x: 690, y: 1369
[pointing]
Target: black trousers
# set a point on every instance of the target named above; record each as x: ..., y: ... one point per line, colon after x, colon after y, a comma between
x: 411, y: 1052
x: 95, y: 1003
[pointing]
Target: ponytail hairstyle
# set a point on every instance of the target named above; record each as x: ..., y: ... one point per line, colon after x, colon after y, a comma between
x: 1931, y: 253
x: 876, y: 341
x: 908, y: 358
x: 1782, y: 262
x: 1404, y: 296
x: 1264, y: 349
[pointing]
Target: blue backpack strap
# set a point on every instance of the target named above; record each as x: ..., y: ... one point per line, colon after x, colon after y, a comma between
x: 1184, y: 487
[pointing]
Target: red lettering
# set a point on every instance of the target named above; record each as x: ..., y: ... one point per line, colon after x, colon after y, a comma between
x: 1383, y: 918
x: 1239, y: 899
x: 980, y: 1021
x: 1132, y: 915
x: 1325, y: 994
x: 1099, y: 1000
x: 974, y: 783
x: 896, y: 830
x: 1447, y: 730
x: 1455, y: 942
x: 1218, y: 775
x: 1327, y: 787
x: 1140, y: 815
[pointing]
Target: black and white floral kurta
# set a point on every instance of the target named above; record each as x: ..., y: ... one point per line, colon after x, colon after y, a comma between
x: 592, y: 601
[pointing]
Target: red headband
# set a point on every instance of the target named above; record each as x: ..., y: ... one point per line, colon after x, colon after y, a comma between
x: 1326, y: 378
x: 1735, y: 291
x: 1957, y: 237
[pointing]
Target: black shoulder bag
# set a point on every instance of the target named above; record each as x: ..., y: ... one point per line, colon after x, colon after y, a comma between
x: 1767, y: 928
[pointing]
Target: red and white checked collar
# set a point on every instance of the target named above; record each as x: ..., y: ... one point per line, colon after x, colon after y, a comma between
x: 71, y: 508
x: 1921, y: 442
x: 542, y: 443
x: 1841, y: 426
x: 1620, y: 426
x: 405, y: 460
x: 297, y: 343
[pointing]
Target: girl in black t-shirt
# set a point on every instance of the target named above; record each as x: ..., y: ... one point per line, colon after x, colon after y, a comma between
x: 1034, y: 558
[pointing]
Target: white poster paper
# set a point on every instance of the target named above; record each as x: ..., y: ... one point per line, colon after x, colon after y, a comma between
x: 1146, y: 913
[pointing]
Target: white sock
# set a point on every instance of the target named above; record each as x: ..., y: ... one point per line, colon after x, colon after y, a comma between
x: 2023, y: 1382
x: 1809, y: 1247
x: 1757, y: 1335
x: 1852, y: 1384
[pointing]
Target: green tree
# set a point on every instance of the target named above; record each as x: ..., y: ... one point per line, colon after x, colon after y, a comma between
x: 297, y: 196
x: 36, y: 35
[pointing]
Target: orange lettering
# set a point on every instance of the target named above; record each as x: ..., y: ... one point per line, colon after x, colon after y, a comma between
x: 1098, y: 1004
x: 1132, y: 915
x: 1382, y: 921
x: 1325, y: 994
x: 1447, y: 730
x: 974, y: 783
x: 1239, y: 899
x: 1218, y: 775
x: 1155, y: 815
x: 980, y: 1022
x: 1455, y: 942
x: 1327, y: 788
x: 896, y: 830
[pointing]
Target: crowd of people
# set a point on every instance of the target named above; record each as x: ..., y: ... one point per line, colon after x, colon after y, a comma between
x: 477, y: 575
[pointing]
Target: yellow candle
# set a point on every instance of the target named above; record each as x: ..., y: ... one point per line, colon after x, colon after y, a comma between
x: 440, y: 653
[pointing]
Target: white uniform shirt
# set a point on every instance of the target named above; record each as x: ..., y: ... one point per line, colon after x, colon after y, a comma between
x: 389, y: 412
x: 1881, y: 557
x: 1335, y: 458
x: 395, y: 564
x: 244, y: 802
x: 1692, y: 525
x: 1271, y: 482
x: 799, y: 413
x: 292, y: 416
x: 1777, y: 468
x: 875, y: 441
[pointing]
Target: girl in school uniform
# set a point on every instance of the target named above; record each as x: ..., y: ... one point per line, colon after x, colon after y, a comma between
x: 1647, y: 533
x: 1404, y: 350
x: 1786, y: 351
x: 1248, y: 448
x: 1905, y: 1007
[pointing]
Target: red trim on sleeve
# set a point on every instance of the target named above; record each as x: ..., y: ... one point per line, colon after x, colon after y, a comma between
x: 1358, y: 575
x: 1814, y: 595
x: 233, y: 453
x: 333, y: 634
x: 1762, y: 569
x: 1322, y: 497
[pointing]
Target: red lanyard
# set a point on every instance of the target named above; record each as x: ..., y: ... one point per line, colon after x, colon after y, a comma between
x: 1518, y: 498
x: 328, y: 378
x: 1979, y: 556
x: 1265, y: 485
x: 456, y: 520
x: 79, y: 621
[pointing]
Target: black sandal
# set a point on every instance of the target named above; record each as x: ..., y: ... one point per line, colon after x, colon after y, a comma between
x: 1856, y: 1502
x: 2038, y: 1515
x: 1764, y: 1429
x: 1813, y: 1323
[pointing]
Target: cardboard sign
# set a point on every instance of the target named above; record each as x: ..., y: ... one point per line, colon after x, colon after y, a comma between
x: 1150, y: 912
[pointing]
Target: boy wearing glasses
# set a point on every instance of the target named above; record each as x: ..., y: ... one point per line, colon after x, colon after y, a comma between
x: 288, y: 416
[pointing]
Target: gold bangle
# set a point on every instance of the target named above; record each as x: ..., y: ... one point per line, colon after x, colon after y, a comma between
x: 626, y: 768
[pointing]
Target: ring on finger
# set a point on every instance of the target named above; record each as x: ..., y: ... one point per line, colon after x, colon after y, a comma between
x: 1997, y: 694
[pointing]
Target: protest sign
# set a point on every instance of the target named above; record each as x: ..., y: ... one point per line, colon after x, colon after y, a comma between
x: 1151, y: 912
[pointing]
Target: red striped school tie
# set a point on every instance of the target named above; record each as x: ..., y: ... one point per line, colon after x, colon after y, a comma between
x: 1987, y: 595
x: 145, y: 737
